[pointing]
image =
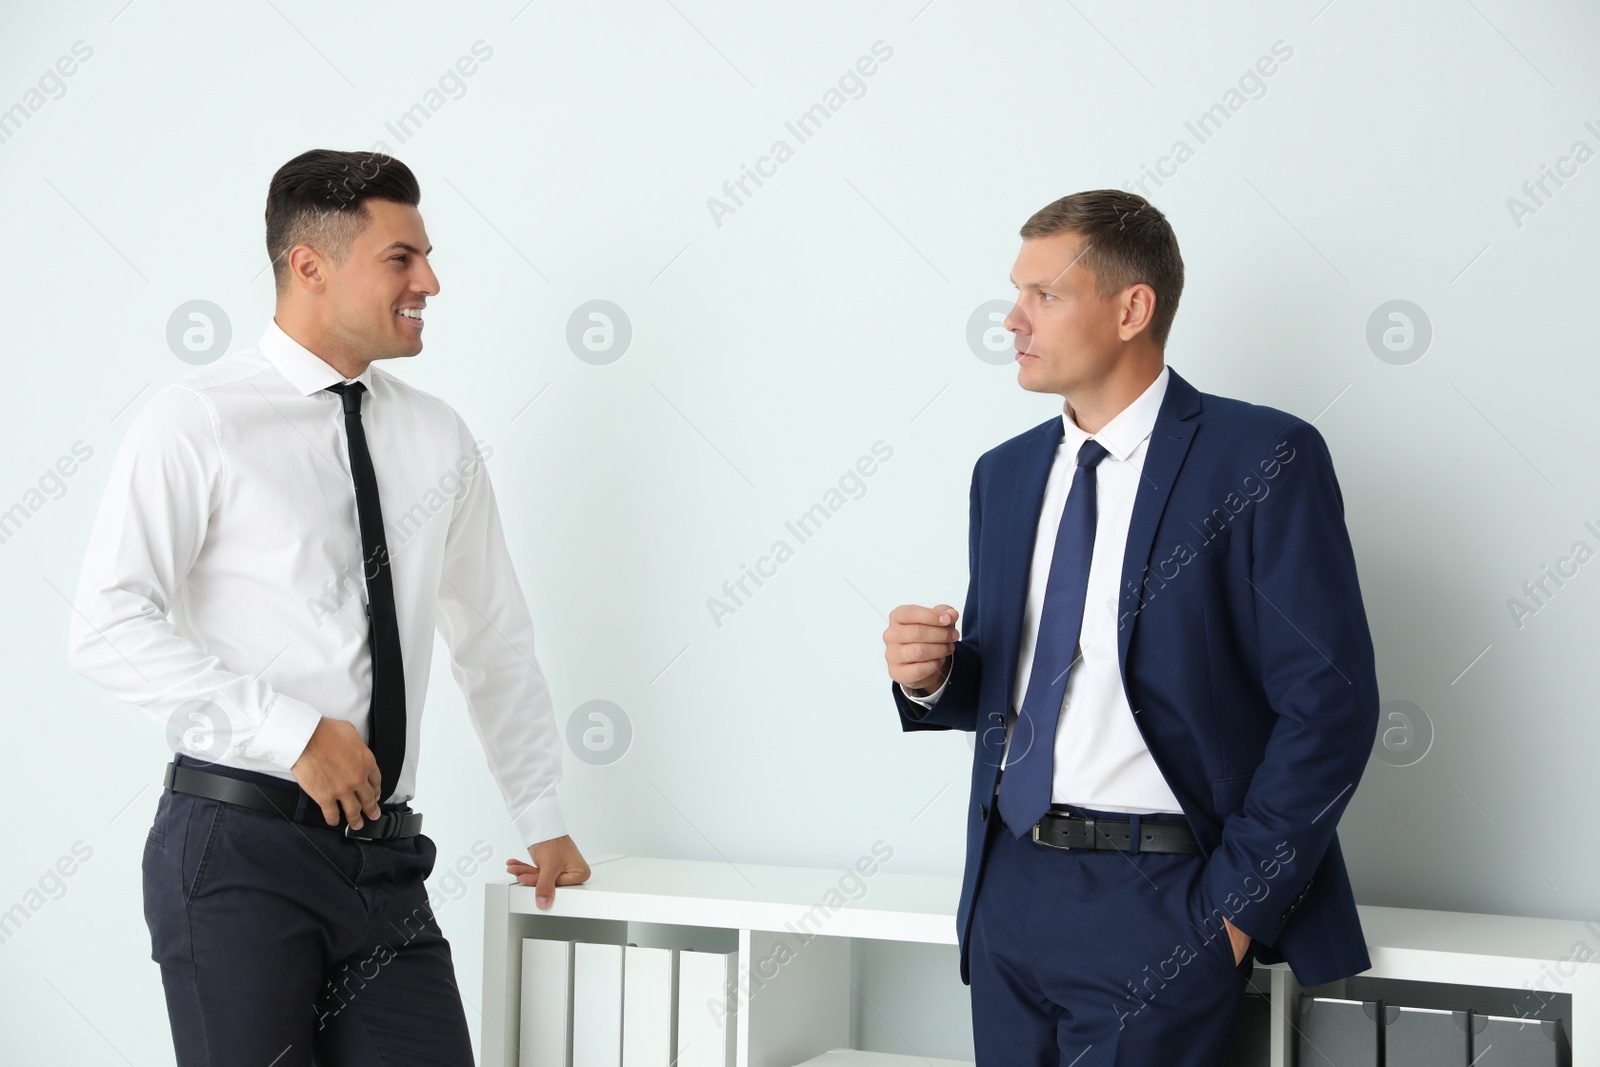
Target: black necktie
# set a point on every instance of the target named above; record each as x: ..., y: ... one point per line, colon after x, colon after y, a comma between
x: 386, y: 719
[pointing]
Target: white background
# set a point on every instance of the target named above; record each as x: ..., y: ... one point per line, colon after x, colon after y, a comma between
x: 770, y: 352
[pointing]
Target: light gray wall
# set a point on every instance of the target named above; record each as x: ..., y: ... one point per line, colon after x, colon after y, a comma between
x: 773, y: 346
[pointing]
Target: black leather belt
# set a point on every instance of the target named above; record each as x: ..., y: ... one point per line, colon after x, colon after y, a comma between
x: 284, y: 801
x: 1060, y: 829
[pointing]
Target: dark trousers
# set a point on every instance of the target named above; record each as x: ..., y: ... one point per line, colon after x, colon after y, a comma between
x: 284, y: 945
x: 1098, y: 958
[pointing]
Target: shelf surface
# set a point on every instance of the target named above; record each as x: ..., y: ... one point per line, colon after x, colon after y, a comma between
x: 1472, y: 933
x: 746, y: 896
x: 921, y: 908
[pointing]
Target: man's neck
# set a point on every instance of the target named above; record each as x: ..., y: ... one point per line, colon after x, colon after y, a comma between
x: 1093, y: 406
x: 319, y: 343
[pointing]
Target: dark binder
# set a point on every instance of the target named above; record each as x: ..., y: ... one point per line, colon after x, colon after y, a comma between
x: 1252, y: 1035
x: 1338, y: 1033
x: 1506, y: 1041
x: 1425, y: 1037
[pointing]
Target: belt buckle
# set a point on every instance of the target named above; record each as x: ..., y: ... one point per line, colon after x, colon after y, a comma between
x: 1048, y: 844
x: 363, y: 835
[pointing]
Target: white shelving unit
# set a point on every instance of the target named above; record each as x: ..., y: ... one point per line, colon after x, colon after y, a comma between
x: 795, y: 1000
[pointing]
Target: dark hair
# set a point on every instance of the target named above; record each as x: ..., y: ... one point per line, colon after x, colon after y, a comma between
x: 317, y: 199
x: 1127, y: 241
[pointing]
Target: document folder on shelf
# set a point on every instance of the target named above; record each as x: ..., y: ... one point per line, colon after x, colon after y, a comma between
x: 708, y: 999
x: 1425, y: 1037
x: 1338, y: 1033
x: 1506, y: 1041
x: 649, y: 1007
x: 1252, y: 1035
x: 596, y: 1005
x: 546, y: 1003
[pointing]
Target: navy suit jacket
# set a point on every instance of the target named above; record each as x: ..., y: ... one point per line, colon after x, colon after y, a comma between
x: 1244, y: 651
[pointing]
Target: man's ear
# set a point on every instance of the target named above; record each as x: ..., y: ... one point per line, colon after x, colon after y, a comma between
x: 307, y: 268
x: 1138, y: 309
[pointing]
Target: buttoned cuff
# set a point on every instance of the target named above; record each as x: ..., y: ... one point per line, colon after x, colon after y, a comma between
x: 541, y: 820
x: 284, y: 733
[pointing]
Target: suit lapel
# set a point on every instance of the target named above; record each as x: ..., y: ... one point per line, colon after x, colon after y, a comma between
x: 1176, y: 424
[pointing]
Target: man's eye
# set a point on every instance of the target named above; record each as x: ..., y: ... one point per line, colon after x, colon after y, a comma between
x: 400, y: 258
x: 1047, y: 296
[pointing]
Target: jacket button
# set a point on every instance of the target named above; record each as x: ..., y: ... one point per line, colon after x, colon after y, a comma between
x: 983, y: 813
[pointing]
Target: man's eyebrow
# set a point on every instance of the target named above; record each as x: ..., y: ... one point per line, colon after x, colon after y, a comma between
x: 1042, y: 283
x: 408, y: 248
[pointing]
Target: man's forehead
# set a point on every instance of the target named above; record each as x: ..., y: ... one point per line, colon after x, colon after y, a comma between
x: 1045, y: 260
x: 392, y: 225
x: 387, y: 234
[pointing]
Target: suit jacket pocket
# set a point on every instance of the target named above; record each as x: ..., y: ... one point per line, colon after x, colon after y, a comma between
x: 1227, y: 794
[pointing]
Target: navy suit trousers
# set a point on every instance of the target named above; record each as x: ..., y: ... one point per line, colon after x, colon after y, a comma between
x: 289, y: 945
x: 1098, y: 958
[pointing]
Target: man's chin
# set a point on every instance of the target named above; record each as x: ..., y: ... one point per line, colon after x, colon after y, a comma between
x: 1032, y: 378
x: 401, y: 350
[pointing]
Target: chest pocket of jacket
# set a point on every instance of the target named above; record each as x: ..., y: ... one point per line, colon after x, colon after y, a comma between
x: 1228, y: 793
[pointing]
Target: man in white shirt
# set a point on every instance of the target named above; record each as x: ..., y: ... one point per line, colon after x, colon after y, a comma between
x: 1167, y: 666
x: 280, y: 535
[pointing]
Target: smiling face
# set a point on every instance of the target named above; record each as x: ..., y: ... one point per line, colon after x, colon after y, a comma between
x: 1067, y: 338
x: 375, y: 297
x: 367, y: 306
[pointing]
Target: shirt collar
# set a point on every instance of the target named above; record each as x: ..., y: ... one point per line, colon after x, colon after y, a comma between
x: 1128, y: 428
x: 305, y: 370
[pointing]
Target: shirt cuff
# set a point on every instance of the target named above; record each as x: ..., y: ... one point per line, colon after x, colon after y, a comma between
x: 541, y: 820
x: 929, y: 700
x: 284, y: 733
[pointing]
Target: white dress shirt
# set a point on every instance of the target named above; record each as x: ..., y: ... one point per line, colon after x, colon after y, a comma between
x: 1101, y: 760
x: 225, y: 566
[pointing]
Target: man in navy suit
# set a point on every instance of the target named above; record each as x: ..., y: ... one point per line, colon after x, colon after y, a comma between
x: 1168, y: 670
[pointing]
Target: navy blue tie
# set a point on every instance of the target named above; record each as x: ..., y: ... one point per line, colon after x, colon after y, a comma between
x: 1030, y: 761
